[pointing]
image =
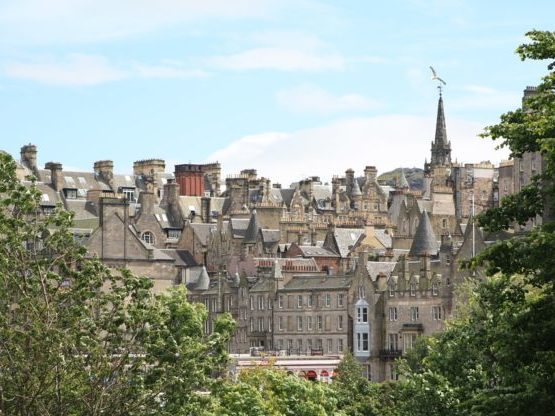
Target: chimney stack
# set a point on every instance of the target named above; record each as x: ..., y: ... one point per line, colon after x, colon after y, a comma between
x: 56, y: 175
x: 371, y: 173
x: 349, y: 180
x: 104, y: 169
x: 170, y: 202
x: 29, y: 158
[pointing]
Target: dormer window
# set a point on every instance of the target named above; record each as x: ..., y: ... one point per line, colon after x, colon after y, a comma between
x: 174, y: 234
x: 148, y: 238
x: 70, y: 193
x: 128, y: 193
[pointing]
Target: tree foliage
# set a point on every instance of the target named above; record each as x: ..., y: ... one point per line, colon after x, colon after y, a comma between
x: 270, y: 391
x: 79, y: 339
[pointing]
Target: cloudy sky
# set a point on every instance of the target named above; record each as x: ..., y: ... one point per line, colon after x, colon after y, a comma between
x: 289, y: 87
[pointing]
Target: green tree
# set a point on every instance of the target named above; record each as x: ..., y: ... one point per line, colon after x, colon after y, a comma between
x: 270, y: 391
x: 498, y: 356
x: 357, y: 396
x: 78, y: 339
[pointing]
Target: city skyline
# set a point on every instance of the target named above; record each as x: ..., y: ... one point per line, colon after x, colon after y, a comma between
x: 291, y: 89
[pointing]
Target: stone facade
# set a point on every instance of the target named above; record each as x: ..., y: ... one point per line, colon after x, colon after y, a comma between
x: 309, y: 269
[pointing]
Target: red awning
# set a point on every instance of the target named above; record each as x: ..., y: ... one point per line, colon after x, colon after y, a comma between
x: 324, y: 373
x: 311, y: 375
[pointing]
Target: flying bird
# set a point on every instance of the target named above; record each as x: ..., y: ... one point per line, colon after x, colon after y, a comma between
x: 434, y: 76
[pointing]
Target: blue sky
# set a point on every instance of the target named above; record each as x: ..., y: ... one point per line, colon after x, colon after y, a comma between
x: 292, y: 88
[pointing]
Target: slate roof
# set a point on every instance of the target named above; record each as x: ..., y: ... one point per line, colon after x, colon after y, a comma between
x: 376, y: 267
x: 49, y: 196
x: 287, y: 195
x: 321, y: 192
x: 252, y: 229
x: 203, y: 231
x: 383, y: 237
x: 262, y: 285
x: 317, y: 283
x: 345, y: 238
x: 203, y: 282
x: 239, y: 227
x: 270, y: 236
x: 315, y: 251
x: 403, y: 183
x: 425, y: 241
x: 124, y: 181
x: 183, y: 258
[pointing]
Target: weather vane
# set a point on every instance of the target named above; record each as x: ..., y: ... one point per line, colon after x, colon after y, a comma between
x: 436, y: 78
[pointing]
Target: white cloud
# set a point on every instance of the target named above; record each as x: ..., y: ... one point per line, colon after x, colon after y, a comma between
x: 308, y: 99
x: 77, y: 70
x: 167, y: 71
x: 481, y: 97
x: 70, y: 21
x: 282, y: 51
x: 86, y: 70
x: 384, y: 141
x: 278, y: 58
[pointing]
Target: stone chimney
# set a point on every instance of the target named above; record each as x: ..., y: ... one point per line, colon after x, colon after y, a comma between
x: 214, y: 173
x: 370, y: 173
x: 56, y: 175
x: 104, y: 169
x: 349, y: 179
x: 29, y: 158
x: 170, y: 202
x: 149, y: 167
x: 147, y: 201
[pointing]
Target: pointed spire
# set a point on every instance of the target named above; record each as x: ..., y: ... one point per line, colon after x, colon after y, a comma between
x: 252, y: 229
x: 441, y: 147
x: 403, y: 183
x: 203, y: 282
x: 441, y: 130
x: 276, y: 271
x: 356, y: 189
x: 424, y: 242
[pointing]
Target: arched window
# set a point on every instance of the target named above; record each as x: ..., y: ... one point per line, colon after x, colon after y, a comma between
x: 148, y: 238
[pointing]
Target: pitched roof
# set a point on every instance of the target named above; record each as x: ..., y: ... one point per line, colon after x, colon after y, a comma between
x: 315, y: 251
x: 239, y: 227
x: 356, y: 189
x: 203, y: 230
x: 403, y: 183
x: 425, y: 242
x: 318, y: 283
x: 383, y: 237
x: 252, y: 229
x: 203, y: 282
x: 182, y: 258
x: 346, y: 238
x: 270, y: 236
x: 380, y: 267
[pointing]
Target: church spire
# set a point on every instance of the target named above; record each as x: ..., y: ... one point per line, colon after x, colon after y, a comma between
x: 441, y: 147
x: 441, y: 131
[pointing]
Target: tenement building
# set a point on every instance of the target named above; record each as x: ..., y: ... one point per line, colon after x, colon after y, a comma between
x: 309, y: 269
